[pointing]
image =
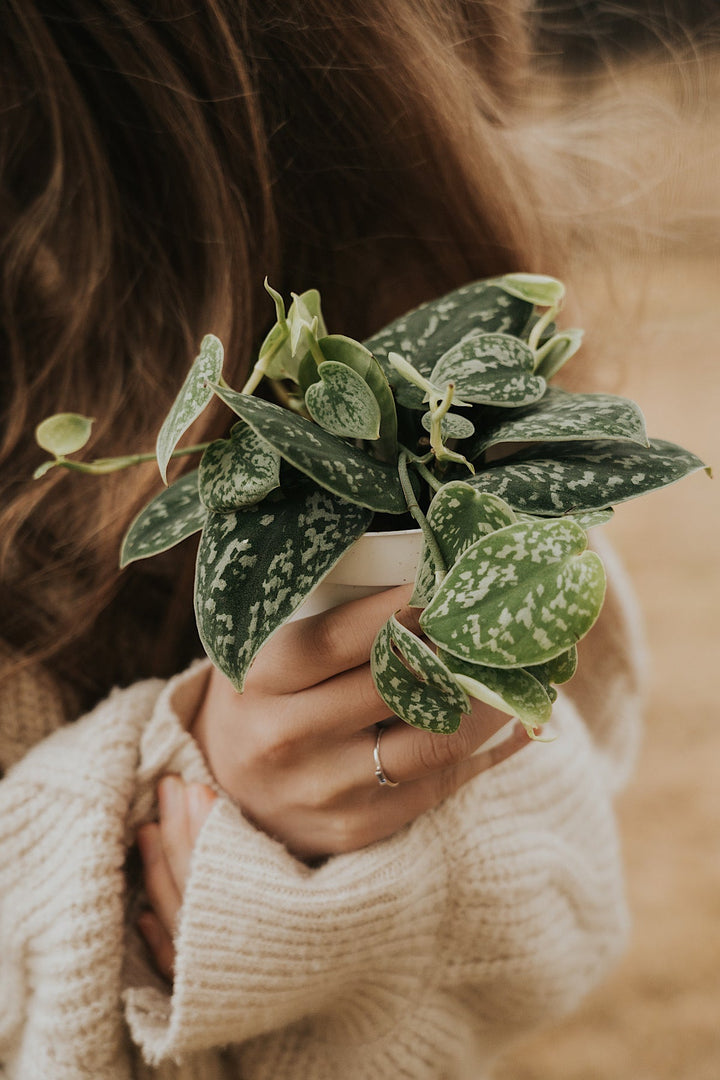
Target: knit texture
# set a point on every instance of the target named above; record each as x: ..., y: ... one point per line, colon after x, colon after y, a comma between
x: 419, y: 957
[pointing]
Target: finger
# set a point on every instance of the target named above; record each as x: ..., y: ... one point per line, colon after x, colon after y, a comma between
x: 311, y: 650
x: 159, y: 882
x: 183, y: 810
x: 342, y: 706
x: 199, y: 799
x: 159, y: 942
x: 408, y: 753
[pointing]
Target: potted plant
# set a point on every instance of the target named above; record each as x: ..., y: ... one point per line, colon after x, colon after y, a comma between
x: 444, y: 420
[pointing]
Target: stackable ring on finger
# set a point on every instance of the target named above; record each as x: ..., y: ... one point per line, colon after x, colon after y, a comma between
x: 380, y: 775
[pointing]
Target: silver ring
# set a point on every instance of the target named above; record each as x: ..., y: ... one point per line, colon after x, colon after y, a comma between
x: 382, y: 779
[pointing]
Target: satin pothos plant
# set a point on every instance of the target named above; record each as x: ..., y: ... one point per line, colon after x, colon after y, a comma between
x: 447, y: 415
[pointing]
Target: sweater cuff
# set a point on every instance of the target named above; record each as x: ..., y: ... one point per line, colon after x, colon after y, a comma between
x: 264, y: 941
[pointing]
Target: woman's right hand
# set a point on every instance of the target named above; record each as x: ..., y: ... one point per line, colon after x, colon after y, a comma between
x: 295, y: 749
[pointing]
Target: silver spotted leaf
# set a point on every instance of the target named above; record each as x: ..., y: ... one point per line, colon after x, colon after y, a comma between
x: 490, y: 369
x: 537, y: 288
x: 566, y: 478
x: 567, y: 417
x: 520, y: 596
x: 558, y: 670
x: 238, y: 471
x: 587, y: 519
x: 343, y: 403
x: 331, y: 462
x: 458, y: 516
x: 414, y: 683
x: 255, y: 566
x: 194, y: 395
x: 515, y: 691
x: 171, y: 517
x: 452, y: 425
x: 425, y: 333
x: 345, y: 350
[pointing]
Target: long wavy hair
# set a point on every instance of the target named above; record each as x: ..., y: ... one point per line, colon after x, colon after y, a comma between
x: 157, y: 160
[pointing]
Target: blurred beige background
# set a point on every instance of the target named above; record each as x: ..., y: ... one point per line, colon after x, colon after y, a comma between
x: 658, y: 1015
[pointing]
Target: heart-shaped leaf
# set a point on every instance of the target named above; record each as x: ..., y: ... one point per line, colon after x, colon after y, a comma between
x: 452, y: 426
x: 255, y: 567
x: 563, y: 416
x: 194, y: 395
x: 511, y: 690
x: 428, y: 331
x: 561, y: 478
x: 558, y: 670
x: 330, y: 461
x: 171, y: 517
x: 457, y: 518
x: 414, y: 683
x: 238, y: 471
x: 490, y: 369
x: 62, y: 434
x: 345, y: 350
x: 343, y: 403
x: 520, y: 596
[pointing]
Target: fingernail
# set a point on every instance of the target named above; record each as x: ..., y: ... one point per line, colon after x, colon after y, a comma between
x: 171, y: 794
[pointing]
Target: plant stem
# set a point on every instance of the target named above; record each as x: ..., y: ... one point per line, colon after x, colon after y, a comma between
x: 414, y: 508
x: 101, y: 466
x: 541, y: 324
x: 427, y: 476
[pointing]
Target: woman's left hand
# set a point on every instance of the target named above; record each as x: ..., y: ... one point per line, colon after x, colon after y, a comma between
x: 166, y: 849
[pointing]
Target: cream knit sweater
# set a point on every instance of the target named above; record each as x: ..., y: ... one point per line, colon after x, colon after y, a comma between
x: 417, y: 958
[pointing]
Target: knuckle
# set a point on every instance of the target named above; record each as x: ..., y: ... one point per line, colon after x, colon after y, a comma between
x: 437, y: 752
x: 334, y: 637
x: 348, y: 832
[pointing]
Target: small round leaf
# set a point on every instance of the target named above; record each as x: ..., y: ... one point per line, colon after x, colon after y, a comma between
x: 64, y: 433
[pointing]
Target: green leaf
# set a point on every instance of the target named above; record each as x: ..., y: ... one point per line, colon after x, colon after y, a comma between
x: 255, y: 567
x: 561, y: 478
x: 343, y: 403
x: 425, y: 333
x: 586, y: 519
x: 44, y: 468
x: 563, y: 416
x: 238, y: 471
x: 520, y: 596
x: 414, y: 683
x: 330, y: 461
x: 535, y: 288
x: 556, y: 352
x: 171, y: 517
x: 194, y: 395
x: 63, y: 434
x: 511, y: 690
x: 345, y: 350
x: 490, y: 369
x: 453, y: 425
x: 558, y: 670
x: 457, y: 517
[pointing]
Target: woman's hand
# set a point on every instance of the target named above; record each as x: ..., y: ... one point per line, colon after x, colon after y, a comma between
x: 295, y: 749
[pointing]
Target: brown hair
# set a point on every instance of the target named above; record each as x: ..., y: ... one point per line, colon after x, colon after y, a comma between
x: 156, y: 161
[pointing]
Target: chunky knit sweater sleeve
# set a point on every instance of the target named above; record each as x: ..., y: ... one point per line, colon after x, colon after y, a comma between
x: 419, y: 957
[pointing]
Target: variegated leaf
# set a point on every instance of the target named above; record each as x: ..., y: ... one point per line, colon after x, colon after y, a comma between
x: 536, y: 288
x: 453, y: 425
x: 343, y: 403
x: 562, y: 478
x: 414, y: 683
x: 194, y: 395
x: 255, y: 567
x: 511, y: 690
x: 556, y: 352
x: 331, y: 462
x: 428, y: 331
x: 457, y: 518
x: 345, y: 350
x: 558, y: 670
x: 171, y: 517
x: 490, y: 369
x: 562, y: 416
x: 238, y: 471
x: 587, y: 519
x: 520, y: 596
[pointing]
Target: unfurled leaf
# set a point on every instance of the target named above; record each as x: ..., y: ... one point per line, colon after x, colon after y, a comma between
x: 453, y: 425
x: 458, y: 516
x: 425, y: 333
x: 255, y: 567
x: 63, y: 434
x: 511, y: 690
x: 556, y: 352
x: 194, y: 395
x: 563, y: 416
x: 331, y: 462
x: 344, y: 350
x: 561, y: 478
x: 490, y: 369
x: 414, y: 683
x: 343, y: 403
x: 171, y: 517
x: 520, y: 596
x: 535, y: 288
x: 238, y: 471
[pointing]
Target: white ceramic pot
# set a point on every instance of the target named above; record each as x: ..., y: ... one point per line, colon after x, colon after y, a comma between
x: 376, y: 561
